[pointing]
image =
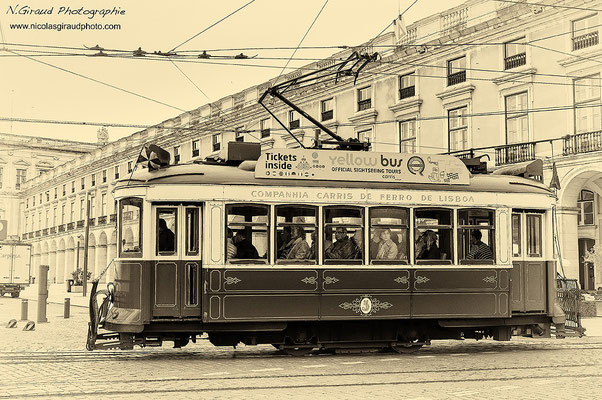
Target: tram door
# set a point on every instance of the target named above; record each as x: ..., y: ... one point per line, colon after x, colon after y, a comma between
x: 528, y: 264
x: 177, y: 260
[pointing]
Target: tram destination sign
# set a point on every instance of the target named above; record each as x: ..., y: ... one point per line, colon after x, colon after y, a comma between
x: 336, y: 165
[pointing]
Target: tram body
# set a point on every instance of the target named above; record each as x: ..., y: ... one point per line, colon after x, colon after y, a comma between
x: 197, y: 283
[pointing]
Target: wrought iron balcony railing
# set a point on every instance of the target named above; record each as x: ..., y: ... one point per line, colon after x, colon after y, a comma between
x: 455, y: 78
x: 515, y: 61
x: 407, y: 92
x: 587, y: 40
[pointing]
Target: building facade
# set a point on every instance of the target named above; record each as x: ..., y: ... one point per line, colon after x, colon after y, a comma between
x: 511, y: 81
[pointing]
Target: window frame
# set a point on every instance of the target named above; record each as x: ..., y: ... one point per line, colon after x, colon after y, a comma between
x: 268, y: 224
x: 121, y: 252
x: 326, y: 114
x: 518, y: 59
x: 452, y: 228
x: 455, y: 78
x: 294, y: 123
x: 407, y: 91
x: 355, y: 261
x: 157, y: 211
x: 264, y: 127
x: 459, y: 128
x: 581, y: 213
x: 401, y: 226
x: 216, y: 141
x: 583, y: 104
x: 491, y: 228
x: 315, y: 225
x: 364, y: 103
x: 516, y: 115
x: 413, y: 140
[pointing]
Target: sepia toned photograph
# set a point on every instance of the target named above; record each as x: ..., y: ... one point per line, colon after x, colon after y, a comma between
x: 263, y: 199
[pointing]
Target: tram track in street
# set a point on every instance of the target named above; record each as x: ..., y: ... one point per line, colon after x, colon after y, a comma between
x: 15, y: 357
x: 262, y: 383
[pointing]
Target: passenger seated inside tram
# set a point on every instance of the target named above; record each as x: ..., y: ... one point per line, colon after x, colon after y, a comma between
x: 426, y: 246
x: 230, y: 247
x: 166, y: 237
x: 244, y: 247
x: 343, y: 247
x: 313, y: 246
x: 297, y: 248
x: 387, y: 249
x: 283, y: 240
x: 375, y: 243
x: 478, y: 249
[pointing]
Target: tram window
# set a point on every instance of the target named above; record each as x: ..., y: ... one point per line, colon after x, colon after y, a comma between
x: 296, y: 228
x: 192, y: 283
x: 433, y: 236
x: 516, y: 236
x: 247, y: 233
x: 534, y: 235
x: 476, y: 236
x: 389, y: 235
x: 343, y: 235
x: 167, y: 231
x: 130, y: 227
x: 192, y: 231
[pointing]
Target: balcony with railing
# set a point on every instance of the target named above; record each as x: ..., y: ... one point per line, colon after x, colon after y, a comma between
x: 102, y: 220
x: 92, y: 221
x: 456, y: 77
x: 38, y: 233
x: 515, y: 61
x: 45, y: 232
x: 70, y: 226
x: 364, y: 104
x: 62, y: 228
x: 407, y: 92
x: 514, y: 153
x: 327, y: 115
x: 113, y: 218
x: 583, y: 41
x: 80, y: 224
x: 294, y: 124
x: 582, y: 143
x: 53, y: 230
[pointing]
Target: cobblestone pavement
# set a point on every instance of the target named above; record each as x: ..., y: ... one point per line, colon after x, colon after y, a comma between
x: 51, y: 362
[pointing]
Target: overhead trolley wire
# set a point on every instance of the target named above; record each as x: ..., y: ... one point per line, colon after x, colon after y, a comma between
x: 303, y: 38
x: 98, y: 81
x: 212, y: 25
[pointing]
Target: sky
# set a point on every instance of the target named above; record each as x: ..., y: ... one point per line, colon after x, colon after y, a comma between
x: 73, y: 85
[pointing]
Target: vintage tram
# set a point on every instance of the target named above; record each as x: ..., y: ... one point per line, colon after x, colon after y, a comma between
x: 306, y: 249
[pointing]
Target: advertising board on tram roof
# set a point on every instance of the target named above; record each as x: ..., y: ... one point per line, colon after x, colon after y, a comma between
x: 336, y: 165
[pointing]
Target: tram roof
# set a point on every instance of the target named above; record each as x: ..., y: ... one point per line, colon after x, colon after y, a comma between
x: 207, y: 174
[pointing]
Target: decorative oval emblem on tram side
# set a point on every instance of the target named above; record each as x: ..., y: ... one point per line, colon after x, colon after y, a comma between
x: 366, y: 305
x: 416, y: 165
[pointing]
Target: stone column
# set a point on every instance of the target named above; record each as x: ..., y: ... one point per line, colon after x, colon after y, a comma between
x: 569, y: 241
x: 101, y: 261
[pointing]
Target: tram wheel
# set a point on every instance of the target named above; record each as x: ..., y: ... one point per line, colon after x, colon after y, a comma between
x: 406, y: 348
x: 297, y: 351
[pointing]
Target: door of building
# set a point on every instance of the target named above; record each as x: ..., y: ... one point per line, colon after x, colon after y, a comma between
x: 586, y: 269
